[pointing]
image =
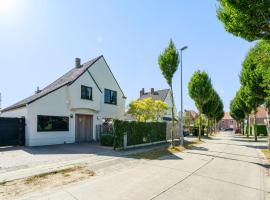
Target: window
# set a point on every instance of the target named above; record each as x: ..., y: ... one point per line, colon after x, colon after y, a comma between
x: 52, y: 123
x: 86, y: 92
x: 110, y: 96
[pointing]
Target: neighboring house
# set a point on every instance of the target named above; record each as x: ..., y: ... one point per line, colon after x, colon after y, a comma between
x: 227, y: 122
x: 190, y: 117
x: 69, y: 109
x: 261, y: 116
x: 163, y: 95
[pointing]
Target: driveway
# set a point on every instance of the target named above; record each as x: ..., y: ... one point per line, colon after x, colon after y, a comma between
x: 225, y: 168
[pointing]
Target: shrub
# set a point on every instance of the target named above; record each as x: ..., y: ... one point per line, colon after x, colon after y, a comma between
x: 107, y: 140
x: 138, y: 132
x: 261, y: 129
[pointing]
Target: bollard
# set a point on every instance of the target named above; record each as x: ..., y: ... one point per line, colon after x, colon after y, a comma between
x: 125, y: 140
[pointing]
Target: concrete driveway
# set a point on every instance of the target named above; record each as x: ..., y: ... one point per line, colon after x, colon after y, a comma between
x: 225, y: 168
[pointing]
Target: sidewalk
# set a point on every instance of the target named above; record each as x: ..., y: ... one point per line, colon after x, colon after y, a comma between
x: 227, y: 167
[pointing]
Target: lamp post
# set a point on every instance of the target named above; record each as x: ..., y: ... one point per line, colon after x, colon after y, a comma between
x: 181, y: 112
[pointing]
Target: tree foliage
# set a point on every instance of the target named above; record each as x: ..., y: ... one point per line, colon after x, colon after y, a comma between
x: 200, y: 90
x: 147, y: 109
x: 168, y: 63
x: 249, y: 19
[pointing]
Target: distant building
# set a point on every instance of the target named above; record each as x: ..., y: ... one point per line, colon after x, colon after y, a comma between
x: 261, y: 116
x: 189, y: 117
x: 163, y: 95
x: 227, y: 122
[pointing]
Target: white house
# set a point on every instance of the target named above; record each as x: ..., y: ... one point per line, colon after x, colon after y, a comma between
x: 69, y: 109
x: 163, y: 95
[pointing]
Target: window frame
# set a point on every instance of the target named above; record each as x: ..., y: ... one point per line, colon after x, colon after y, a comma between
x: 91, y: 95
x: 66, y: 129
x: 111, y: 103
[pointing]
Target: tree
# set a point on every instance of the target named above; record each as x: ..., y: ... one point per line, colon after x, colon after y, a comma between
x: 200, y: 90
x: 236, y: 110
x: 147, y: 109
x: 249, y: 19
x: 159, y: 109
x: 210, y: 107
x: 252, y: 78
x: 168, y: 63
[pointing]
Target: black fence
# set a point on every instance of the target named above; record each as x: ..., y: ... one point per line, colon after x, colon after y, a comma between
x: 12, y: 131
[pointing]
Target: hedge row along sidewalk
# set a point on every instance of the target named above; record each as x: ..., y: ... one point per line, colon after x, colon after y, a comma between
x: 138, y: 132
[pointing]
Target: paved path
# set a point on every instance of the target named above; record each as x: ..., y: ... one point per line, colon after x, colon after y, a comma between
x: 227, y: 167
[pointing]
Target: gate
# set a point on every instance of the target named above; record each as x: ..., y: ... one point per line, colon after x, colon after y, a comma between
x: 103, y: 129
x: 12, y: 131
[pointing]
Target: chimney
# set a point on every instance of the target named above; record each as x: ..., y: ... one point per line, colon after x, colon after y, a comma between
x: 152, y: 91
x: 38, y: 90
x: 141, y: 92
x: 77, y: 62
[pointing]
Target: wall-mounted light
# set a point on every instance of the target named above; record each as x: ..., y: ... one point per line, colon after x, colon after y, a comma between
x: 98, y: 117
x: 71, y: 115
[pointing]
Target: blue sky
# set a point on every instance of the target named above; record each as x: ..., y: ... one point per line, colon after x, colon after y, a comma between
x: 40, y: 39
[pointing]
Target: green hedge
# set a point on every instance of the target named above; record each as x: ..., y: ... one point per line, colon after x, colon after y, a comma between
x: 107, y: 140
x: 138, y: 132
x: 195, y: 131
x: 261, y: 129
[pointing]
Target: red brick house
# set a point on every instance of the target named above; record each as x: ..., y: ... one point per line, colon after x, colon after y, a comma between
x: 227, y: 122
x: 261, y: 116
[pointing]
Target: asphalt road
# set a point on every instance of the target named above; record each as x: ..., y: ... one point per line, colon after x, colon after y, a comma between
x: 228, y: 167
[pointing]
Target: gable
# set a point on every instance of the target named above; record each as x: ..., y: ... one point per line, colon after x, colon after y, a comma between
x: 104, y: 77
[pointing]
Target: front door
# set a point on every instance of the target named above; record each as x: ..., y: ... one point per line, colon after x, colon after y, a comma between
x: 84, y: 128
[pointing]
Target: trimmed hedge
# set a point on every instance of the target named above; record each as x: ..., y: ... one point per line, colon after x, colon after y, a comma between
x: 138, y: 132
x: 261, y: 129
x: 107, y: 140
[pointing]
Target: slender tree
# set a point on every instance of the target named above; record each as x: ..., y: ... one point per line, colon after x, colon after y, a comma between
x: 200, y: 90
x: 251, y: 78
x: 249, y: 19
x: 168, y: 63
x: 210, y: 108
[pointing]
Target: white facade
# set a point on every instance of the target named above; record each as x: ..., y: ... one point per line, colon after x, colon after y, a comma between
x: 66, y: 101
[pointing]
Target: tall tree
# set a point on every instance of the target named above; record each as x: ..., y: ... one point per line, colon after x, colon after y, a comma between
x: 168, y: 63
x: 252, y: 78
x: 237, y: 112
x: 211, y: 107
x: 200, y: 90
x: 249, y: 19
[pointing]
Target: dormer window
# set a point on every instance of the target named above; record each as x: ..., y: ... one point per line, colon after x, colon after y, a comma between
x: 86, y: 92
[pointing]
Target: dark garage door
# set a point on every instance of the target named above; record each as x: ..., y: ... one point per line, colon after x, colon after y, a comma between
x: 12, y: 131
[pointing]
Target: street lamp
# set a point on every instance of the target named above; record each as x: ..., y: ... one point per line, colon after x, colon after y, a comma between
x: 181, y: 112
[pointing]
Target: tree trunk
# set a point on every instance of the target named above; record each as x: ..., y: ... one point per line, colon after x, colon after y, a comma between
x: 268, y: 130
x: 200, y: 125
x: 248, y: 126
x: 243, y: 127
x: 208, y: 127
x: 173, y: 125
x: 255, y: 128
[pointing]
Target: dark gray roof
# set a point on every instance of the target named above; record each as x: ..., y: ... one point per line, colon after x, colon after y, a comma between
x: 158, y: 95
x: 66, y: 79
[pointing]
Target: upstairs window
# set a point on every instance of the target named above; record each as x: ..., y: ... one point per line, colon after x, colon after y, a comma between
x: 86, y: 92
x: 110, y: 97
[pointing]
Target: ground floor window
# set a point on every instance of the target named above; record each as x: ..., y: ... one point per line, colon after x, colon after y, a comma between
x: 52, y: 123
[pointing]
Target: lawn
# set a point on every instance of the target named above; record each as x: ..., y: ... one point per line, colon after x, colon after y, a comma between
x: 165, y: 150
x: 267, y: 154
